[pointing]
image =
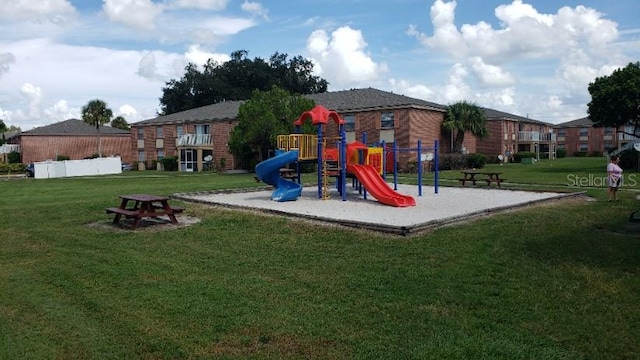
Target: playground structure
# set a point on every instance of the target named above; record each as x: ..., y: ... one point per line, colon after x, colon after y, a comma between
x: 335, y: 159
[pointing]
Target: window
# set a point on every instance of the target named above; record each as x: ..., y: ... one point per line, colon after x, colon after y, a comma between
x: 202, y: 129
x: 561, y: 132
x: 584, y: 147
x: 159, y: 132
x: 141, y: 155
x: 349, y: 122
x: 140, y: 133
x: 160, y: 154
x: 584, y: 132
x: 386, y: 120
x: 179, y: 130
x: 608, y: 131
x: 608, y: 145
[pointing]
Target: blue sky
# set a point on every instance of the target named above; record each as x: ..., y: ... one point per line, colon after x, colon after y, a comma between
x: 532, y: 58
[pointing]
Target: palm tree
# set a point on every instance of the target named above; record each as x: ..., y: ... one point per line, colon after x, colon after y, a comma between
x: 464, y: 117
x: 97, y: 113
x: 120, y: 123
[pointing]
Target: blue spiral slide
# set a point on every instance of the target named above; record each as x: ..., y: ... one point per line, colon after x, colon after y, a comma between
x: 268, y: 172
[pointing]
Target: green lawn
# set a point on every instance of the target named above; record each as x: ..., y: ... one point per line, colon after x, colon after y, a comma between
x: 558, y: 281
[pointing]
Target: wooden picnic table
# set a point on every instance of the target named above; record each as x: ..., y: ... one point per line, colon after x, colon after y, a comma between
x: 287, y: 173
x: 489, y: 177
x: 144, y: 205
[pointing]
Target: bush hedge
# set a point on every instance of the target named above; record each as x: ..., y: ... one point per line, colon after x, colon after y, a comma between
x: 517, y: 157
x: 460, y: 161
x: 12, y: 168
x: 170, y: 163
x: 561, y: 153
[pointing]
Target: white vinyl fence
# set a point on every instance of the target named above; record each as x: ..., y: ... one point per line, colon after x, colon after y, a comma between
x: 68, y: 168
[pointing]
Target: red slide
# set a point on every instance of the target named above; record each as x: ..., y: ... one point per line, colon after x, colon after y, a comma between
x: 374, y: 184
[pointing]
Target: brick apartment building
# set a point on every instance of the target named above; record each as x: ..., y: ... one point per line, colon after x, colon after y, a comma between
x: 73, y: 138
x: 194, y: 135
x: 510, y: 134
x: 579, y: 136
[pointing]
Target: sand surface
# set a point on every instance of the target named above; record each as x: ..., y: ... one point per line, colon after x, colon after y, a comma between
x: 448, y: 205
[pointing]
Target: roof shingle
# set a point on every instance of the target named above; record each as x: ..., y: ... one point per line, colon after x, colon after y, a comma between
x: 74, y: 127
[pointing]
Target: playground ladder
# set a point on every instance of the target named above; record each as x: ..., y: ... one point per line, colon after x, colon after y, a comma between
x: 325, y: 175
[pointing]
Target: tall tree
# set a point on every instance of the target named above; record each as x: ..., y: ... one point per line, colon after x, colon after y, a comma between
x: 262, y: 118
x: 237, y: 78
x: 464, y: 117
x: 120, y: 123
x: 97, y: 113
x: 3, y: 129
x: 615, y: 99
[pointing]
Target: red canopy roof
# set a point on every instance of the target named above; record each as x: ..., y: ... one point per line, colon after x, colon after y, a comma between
x: 319, y: 115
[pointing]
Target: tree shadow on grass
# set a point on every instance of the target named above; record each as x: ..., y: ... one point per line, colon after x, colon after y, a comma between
x: 603, y: 245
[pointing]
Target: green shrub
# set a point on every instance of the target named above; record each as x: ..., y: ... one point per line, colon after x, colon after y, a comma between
x: 580, y: 154
x: 476, y: 161
x: 561, y: 153
x: 62, y: 158
x: 13, y: 168
x: 595, y: 153
x: 452, y: 162
x: 170, y: 163
x: 411, y: 167
x: 13, y: 157
x: 517, y: 157
x: 629, y: 159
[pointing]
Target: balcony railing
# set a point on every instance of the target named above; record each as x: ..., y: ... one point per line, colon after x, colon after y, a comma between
x: 194, y: 140
x: 7, y: 148
x: 535, y: 136
x: 627, y: 137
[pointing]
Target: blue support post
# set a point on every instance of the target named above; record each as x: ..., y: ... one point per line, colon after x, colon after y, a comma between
x: 436, y: 166
x: 319, y: 161
x: 343, y: 163
x: 419, y: 168
x: 395, y: 165
x: 384, y: 161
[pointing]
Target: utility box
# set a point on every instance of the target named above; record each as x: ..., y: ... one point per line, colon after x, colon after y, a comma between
x: 527, y: 161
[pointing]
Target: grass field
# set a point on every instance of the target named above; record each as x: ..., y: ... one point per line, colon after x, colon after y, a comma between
x: 559, y: 281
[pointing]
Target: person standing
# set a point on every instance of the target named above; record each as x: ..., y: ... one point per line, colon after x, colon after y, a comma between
x: 614, y: 178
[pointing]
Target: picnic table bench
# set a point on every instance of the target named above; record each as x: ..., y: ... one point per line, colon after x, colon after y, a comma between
x: 489, y: 177
x: 144, y: 206
x: 289, y: 174
x: 285, y: 173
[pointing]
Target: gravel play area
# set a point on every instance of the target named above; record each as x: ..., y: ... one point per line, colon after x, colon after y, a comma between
x: 450, y: 205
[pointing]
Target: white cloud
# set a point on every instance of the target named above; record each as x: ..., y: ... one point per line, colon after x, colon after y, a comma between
x: 199, y: 57
x: 255, y: 9
x: 342, y: 58
x: 55, y: 11
x: 61, y: 111
x: 490, y: 75
x: 139, y: 14
x: 215, y: 5
x: 37, y: 89
x: 33, y: 96
x: 569, y: 49
x: 147, y: 67
x: 407, y: 88
x: 127, y: 111
x: 524, y: 32
x: 456, y: 89
x: 554, y: 102
x: 5, y: 60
